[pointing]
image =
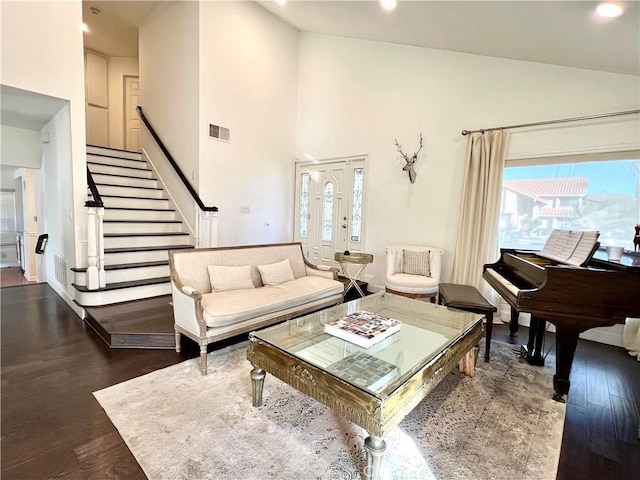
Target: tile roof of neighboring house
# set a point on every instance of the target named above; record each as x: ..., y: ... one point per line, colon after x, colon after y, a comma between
x: 549, y: 187
x: 557, y: 212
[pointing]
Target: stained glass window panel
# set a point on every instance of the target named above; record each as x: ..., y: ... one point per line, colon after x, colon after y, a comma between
x: 304, y: 206
x: 356, y: 210
x: 327, y: 217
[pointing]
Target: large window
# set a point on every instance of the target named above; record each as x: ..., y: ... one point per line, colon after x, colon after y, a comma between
x: 591, y: 195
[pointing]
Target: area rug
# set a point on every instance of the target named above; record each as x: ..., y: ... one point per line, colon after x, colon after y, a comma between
x: 501, y: 424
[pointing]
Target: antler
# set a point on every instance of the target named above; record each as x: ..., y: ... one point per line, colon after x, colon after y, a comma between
x: 404, y: 155
x: 414, y: 157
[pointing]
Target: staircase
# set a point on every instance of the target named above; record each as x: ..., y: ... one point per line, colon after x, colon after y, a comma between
x: 140, y: 226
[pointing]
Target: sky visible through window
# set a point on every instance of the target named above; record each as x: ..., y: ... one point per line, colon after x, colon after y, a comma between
x: 614, y: 177
x: 536, y: 199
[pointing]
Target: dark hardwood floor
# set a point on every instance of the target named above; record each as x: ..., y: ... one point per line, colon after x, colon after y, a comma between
x: 52, y: 427
x: 13, y: 276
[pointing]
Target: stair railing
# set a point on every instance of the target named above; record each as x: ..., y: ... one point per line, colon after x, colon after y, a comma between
x: 96, y: 277
x: 206, y: 224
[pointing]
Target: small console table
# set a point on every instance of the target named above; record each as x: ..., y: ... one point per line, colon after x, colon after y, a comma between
x: 362, y: 259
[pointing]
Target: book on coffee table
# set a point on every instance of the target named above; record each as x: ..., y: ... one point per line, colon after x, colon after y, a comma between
x: 364, y: 370
x: 363, y: 328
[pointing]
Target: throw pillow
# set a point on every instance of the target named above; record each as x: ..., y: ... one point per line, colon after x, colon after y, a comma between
x: 275, y: 273
x: 230, y: 277
x: 416, y: 263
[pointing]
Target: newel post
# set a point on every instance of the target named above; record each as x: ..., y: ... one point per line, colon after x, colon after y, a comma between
x: 102, y: 278
x: 207, y: 229
x: 93, y: 278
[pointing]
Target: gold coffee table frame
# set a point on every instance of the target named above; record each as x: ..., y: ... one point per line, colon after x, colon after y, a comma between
x: 431, y: 341
x: 362, y: 259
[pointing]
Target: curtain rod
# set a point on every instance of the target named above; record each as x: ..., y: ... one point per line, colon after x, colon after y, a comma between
x: 548, y: 122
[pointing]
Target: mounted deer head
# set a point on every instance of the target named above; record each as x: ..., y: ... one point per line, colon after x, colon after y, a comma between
x: 410, y: 161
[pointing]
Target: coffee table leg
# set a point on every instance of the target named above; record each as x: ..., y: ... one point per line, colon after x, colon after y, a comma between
x: 257, y: 381
x: 375, y: 447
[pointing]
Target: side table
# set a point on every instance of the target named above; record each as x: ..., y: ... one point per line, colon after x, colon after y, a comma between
x: 362, y: 259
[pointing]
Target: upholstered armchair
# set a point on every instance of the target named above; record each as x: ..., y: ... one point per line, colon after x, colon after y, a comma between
x: 413, y: 271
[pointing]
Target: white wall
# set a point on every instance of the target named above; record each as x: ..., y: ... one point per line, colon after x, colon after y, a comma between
x: 20, y: 147
x: 42, y: 51
x: 358, y: 96
x: 169, y: 76
x: 248, y: 83
x: 57, y: 219
x: 119, y: 67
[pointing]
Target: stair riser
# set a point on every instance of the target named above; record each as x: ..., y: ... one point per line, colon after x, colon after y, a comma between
x: 93, y: 299
x: 129, y: 191
x: 125, y: 181
x: 142, y: 227
x: 124, y: 242
x: 120, y: 171
x: 120, y: 162
x: 114, y: 153
x: 126, y: 274
x: 161, y: 204
x: 133, y: 257
x: 139, y: 214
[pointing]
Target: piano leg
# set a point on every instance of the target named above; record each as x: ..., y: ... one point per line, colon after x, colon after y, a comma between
x: 566, y: 343
x: 513, y: 324
x: 533, y: 349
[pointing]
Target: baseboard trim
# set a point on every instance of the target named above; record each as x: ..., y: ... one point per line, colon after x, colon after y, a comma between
x: 65, y: 296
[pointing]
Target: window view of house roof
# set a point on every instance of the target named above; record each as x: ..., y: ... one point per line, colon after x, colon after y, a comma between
x: 557, y: 212
x: 549, y: 187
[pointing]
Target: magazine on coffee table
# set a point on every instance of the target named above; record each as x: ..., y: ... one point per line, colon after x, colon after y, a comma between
x: 363, y: 328
x: 364, y: 370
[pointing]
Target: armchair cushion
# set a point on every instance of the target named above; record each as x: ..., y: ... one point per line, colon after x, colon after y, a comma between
x: 416, y: 263
x: 230, y: 277
x: 276, y: 273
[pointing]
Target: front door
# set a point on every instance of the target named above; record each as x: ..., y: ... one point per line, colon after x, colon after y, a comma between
x: 330, y: 207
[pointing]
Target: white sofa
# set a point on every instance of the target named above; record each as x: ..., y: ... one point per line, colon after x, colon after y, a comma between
x: 222, y: 292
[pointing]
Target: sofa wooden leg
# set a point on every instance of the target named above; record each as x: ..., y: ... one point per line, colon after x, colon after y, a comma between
x: 177, y: 341
x: 203, y: 359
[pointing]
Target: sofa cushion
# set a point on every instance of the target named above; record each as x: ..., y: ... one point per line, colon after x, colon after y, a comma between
x: 230, y: 277
x: 276, y: 273
x: 229, y: 307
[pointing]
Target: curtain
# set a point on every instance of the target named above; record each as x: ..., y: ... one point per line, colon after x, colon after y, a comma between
x: 631, y: 337
x: 477, y: 241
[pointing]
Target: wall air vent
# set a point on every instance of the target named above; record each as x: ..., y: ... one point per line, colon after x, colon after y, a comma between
x: 219, y: 133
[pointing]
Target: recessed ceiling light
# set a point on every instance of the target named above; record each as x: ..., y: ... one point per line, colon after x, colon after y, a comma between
x: 388, y: 4
x: 609, y: 9
x: 281, y: 2
x: 85, y: 27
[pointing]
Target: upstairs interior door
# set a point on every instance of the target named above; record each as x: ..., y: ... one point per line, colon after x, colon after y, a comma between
x: 330, y: 207
x: 131, y: 119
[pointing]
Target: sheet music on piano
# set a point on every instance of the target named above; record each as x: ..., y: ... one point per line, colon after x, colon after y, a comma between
x: 570, y: 246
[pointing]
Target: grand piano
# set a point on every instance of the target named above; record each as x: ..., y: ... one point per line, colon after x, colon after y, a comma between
x: 574, y: 298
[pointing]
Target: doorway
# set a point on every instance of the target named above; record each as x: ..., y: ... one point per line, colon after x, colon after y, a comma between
x: 330, y: 207
x: 131, y: 119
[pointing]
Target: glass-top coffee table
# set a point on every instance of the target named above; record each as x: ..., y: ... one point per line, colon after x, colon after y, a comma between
x: 404, y: 367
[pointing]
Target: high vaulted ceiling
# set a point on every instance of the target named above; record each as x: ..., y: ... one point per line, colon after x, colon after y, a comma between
x: 557, y: 32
